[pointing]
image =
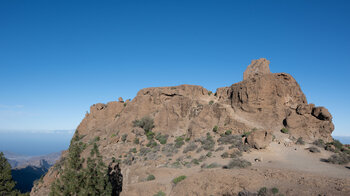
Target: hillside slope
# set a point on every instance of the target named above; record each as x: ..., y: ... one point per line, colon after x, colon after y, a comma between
x: 186, y: 130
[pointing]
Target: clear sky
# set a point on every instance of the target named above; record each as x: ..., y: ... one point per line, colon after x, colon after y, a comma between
x: 59, y: 57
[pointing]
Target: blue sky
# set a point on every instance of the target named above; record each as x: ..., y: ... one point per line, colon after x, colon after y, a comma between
x: 59, y: 57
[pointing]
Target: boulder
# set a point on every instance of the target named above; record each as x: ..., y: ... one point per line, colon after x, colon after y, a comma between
x: 257, y: 67
x: 322, y: 113
x: 259, y: 139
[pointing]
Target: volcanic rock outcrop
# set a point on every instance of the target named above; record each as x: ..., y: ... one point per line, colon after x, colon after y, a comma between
x: 263, y: 102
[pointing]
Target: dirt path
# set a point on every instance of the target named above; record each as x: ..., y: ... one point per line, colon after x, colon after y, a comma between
x: 298, y: 159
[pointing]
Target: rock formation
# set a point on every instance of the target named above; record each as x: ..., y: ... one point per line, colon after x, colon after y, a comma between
x: 263, y: 101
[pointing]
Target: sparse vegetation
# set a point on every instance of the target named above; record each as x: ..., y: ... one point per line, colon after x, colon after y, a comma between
x: 228, y: 132
x: 211, y: 102
x: 150, y: 135
x: 152, y: 144
x: 179, y: 142
x: 215, y: 129
x: 209, y: 93
x: 124, y: 137
x: 274, y: 190
x: 300, y: 141
x: 237, y: 163
x: 169, y: 150
x: 262, y: 191
x: 339, y: 158
x: 246, y: 134
x: 150, y: 177
x: 235, y: 154
x: 195, y: 161
x: 146, y: 123
x: 337, y: 144
x: 162, y: 138
x: 320, y: 143
x: 207, y: 143
x: 179, y: 179
x: 211, y: 165
x: 190, y: 147
x: 144, y: 151
x: 284, y: 130
x: 113, y: 135
x: 160, y: 193
x: 133, y: 150
x: 136, y: 140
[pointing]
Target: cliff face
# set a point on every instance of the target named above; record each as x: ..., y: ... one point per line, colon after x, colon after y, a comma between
x: 262, y: 101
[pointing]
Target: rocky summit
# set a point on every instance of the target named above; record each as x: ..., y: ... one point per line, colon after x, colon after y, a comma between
x: 251, y: 138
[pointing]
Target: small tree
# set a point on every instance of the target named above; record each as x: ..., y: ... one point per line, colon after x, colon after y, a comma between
x: 71, y: 180
x: 6, y: 182
x: 76, y: 180
x: 95, y: 175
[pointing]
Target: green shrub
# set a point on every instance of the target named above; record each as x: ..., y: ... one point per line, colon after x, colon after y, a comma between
x: 179, y: 141
x: 337, y: 144
x: 320, y: 143
x: 228, y: 132
x: 213, y: 165
x: 97, y: 138
x: 339, y: 158
x: 224, y: 155
x: 207, y: 143
x: 179, y: 179
x: 209, y: 93
x: 208, y: 154
x: 152, y: 143
x: 246, y: 134
x: 162, y: 138
x: 190, y: 147
x: 300, y: 141
x: 124, y: 137
x: 160, y: 193
x: 237, y: 163
x: 215, y: 129
x: 284, y: 130
x: 146, y: 123
x: 144, y: 151
x: 211, y: 102
x: 133, y: 150
x: 187, y: 139
x: 125, y: 104
x: 150, y: 135
x: 195, y: 161
x: 150, y: 177
x: 136, y: 140
x: 113, y: 135
x: 274, y: 190
x: 262, y: 191
x: 169, y: 150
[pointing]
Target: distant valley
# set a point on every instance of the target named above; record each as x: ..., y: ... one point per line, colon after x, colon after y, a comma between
x: 27, y: 169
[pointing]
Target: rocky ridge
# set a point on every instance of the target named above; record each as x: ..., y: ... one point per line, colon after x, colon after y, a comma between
x: 194, y: 129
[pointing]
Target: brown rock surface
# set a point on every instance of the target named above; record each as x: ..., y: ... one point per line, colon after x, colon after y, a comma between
x: 263, y: 100
x: 257, y: 67
x: 259, y: 139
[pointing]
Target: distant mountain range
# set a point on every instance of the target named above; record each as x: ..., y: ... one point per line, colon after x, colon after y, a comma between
x: 27, y: 169
x: 343, y: 139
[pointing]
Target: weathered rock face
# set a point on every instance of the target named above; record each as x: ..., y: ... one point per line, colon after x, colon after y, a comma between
x: 274, y: 100
x: 263, y: 100
x: 257, y: 67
